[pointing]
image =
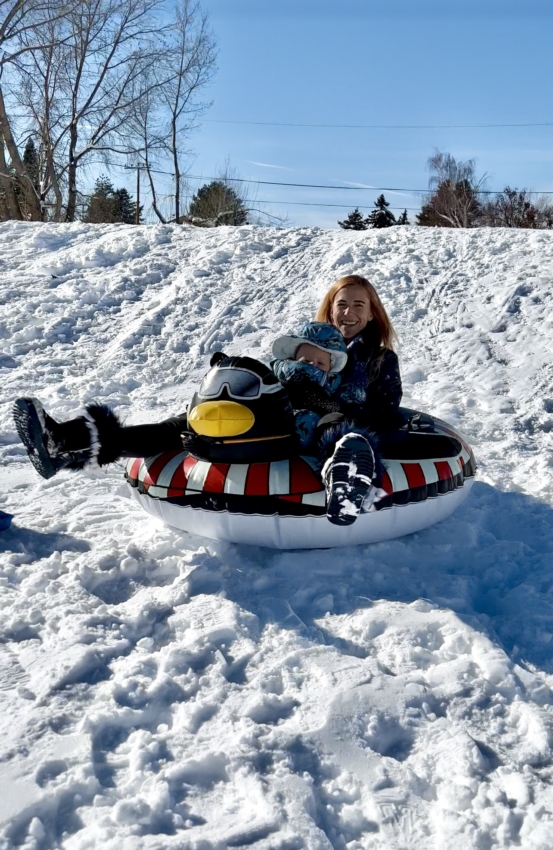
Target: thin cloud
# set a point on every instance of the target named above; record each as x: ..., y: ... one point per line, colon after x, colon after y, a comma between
x: 360, y: 185
x: 268, y: 165
x: 368, y: 186
x: 405, y: 194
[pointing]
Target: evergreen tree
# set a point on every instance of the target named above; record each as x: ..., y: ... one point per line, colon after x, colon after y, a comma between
x: 107, y: 205
x: 215, y: 204
x: 102, y: 208
x: 17, y: 199
x: 429, y: 216
x: 403, y: 218
x: 30, y: 158
x: 381, y: 216
x: 354, y: 221
x: 126, y: 207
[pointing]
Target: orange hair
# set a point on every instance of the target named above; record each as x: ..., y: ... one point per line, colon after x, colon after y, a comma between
x: 382, y: 321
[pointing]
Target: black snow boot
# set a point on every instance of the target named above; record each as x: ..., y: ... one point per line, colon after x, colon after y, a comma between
x: 51, y: 445
x: 347, y: 476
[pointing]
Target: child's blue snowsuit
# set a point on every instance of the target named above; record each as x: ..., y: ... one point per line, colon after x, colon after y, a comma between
x: 315, y: 394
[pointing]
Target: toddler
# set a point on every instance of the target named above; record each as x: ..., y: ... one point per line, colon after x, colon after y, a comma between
x: 308, y: 365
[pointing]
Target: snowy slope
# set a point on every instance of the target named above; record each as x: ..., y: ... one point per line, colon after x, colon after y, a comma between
x: 160, y: 691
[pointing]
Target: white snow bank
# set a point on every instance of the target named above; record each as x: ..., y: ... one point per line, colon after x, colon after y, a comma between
x: 160, y: 691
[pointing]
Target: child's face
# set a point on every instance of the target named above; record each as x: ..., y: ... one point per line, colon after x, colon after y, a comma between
x: 308, y: 353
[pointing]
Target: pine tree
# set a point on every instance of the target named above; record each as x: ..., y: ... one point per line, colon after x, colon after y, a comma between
x: 107, y: 205
x: 429, y: 217
x: 381, y: 216
x: 403, y: 218
x: 102, y: 208
x: 30, y: 158
x: 126, y: 207
x: 215, y: 204
x: 354, y: 221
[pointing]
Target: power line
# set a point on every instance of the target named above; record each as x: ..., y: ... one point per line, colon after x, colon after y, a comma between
x: 346, y: 188
x: 276, y: 183
x: 340, y: 206
x: 313, y: 185
x: 306, y: 185
x: 308, y: 204
x: 379, y: 126
x: 326, y: 186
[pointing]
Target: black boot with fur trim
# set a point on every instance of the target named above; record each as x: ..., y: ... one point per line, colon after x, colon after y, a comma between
x: 106, y: 434
x: 51, y: 446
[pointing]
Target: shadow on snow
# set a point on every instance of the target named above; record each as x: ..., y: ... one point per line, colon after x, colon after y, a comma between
x: 490, y: 563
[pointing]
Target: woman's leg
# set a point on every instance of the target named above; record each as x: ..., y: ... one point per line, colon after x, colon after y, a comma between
x: 95, y: 437
x: 148, y: 440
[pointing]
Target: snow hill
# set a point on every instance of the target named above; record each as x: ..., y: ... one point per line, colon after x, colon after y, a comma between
x: 162, y: 691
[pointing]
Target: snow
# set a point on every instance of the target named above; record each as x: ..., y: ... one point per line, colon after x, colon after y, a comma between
x: 163, y: 691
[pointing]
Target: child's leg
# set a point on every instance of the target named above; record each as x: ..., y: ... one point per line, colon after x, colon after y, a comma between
x: 351, y: 465
x: 306, y: 422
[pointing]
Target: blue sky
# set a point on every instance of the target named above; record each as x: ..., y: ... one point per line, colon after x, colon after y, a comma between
x: 398, y: 62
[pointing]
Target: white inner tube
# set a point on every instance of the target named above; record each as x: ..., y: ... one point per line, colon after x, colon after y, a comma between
x: 282, y: 504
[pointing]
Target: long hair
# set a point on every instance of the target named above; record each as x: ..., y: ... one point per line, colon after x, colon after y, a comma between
x: 383, y: 330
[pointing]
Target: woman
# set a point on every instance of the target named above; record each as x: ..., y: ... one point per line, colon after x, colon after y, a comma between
x: 368, y: 398
x: 338, y: 421
x: 365, y: 404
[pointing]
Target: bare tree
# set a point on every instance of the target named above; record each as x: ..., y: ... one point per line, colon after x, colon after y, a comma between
x: 194, y: 52
x: 10, y: 203
x: 100, y: 77
x: 18, y: 18
x: 41, y: 91
x: 163, y: 123
x: 112, y: 44
x: 518, y: 208
x: 544, y: 209
x: 454, y: 192
x: 81, y: 86
x: 149, y: 138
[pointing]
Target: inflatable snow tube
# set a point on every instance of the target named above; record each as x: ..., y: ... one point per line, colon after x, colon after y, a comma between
x: 429, y: 470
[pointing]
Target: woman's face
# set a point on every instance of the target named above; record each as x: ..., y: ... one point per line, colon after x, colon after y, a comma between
x: 351, y: 310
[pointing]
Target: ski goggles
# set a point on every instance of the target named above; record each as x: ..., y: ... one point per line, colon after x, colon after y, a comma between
x: 239, y: 383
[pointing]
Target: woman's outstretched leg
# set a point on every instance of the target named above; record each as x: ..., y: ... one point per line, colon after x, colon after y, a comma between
x: 96, y: 437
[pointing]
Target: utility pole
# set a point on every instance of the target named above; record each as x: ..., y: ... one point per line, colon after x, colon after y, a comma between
x: 137, y: 194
